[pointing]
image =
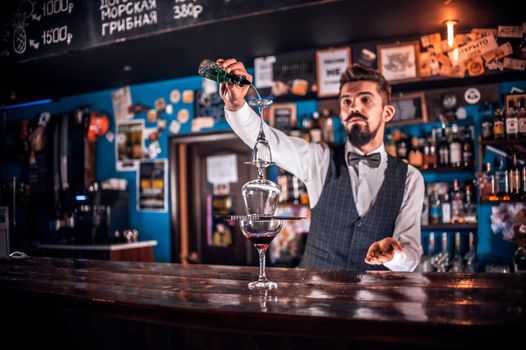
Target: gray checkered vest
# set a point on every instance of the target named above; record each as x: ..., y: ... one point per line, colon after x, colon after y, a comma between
x: 339, y: 238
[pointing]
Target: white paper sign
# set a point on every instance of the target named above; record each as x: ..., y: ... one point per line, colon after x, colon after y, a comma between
x: 221, y: 169
x: 330, y: 66
x: 263, y: 71
x: 121, y: 100
x: 473, y: 49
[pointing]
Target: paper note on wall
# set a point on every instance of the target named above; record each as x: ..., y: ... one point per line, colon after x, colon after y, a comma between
x: 221, y: 169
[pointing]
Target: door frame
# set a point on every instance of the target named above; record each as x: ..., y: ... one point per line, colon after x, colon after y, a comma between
x: 179, y: 169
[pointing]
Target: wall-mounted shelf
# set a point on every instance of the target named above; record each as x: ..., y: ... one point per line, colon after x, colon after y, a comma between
x: 449, y: 169
x: 446, y: 227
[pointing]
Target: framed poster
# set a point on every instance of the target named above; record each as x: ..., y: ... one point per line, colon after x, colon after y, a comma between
x: 283, y: 116
x: 399, y: 62
x: 513, y: 100
x: 152, y: 185
x: 330, y: 65
x: 409, y: 109
x: 129, y: 144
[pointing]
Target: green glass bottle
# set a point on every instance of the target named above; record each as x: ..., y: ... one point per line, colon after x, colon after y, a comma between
x: 211, y: 70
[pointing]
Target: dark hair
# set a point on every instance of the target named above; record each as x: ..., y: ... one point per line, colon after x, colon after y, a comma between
x: 356, y: 72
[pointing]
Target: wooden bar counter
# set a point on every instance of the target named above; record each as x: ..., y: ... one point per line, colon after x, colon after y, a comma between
x: 89, y: 304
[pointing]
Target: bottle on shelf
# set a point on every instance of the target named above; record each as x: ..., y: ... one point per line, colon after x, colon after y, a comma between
x: 522, y: 117
x: 426, y: 261
x: 499, y: 128
x: 457, y: 258
x: 487, y: 122
x: 471, y: 255
x: 446, y: 209
x: 467, y: 149
x: 430, y: 156
x: 416, y: 156
x: 402, y: 147
x: 514, y: 180
x: 501, y: 178
x: 455, y: 147
x: 390, y: 146
x: 470, y: 208
x: 488, y: 187
x: 327, y: 126
x: 443, y: 258
x: 435, y: 208
x: 315, y: 129
x: 523, y: 171
x: 457, y: 204
x: 443, y: 148
x: 512, y: 121
x: 424, y: 217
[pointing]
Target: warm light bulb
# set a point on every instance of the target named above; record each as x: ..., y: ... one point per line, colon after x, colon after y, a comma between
x: 450, y: 24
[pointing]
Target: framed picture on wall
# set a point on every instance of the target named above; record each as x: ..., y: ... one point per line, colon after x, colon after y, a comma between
x: 283, y: 116
x: 399, y: 62
x: 409, y: 109
x: 513, y: 100
x: 330, y: 65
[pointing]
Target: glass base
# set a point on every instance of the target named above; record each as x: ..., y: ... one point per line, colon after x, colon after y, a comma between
x: 262, y: 284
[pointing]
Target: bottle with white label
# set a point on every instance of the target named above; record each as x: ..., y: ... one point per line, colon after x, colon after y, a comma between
x: 455, y: 147
x: 512, y: 121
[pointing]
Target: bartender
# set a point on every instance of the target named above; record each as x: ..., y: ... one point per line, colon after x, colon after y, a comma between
x: 366, y: 204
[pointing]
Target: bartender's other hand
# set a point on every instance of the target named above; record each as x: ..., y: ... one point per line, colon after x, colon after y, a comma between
x: 232, y: 94
x: 383, y: 251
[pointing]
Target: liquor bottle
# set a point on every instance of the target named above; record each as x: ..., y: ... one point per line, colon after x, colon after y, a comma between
x: 443, y: 149
x: 426, y: 262
x: 416, y: 156
x: 523, y: 197
x: 487, y: 122
x: 457, y: 259
x: 402, y: 147
x: 455, y: 147
x: 488, y: 186
x: 435, y: 208
x: 514, y: 181
x: 390, y: 146
x: 467, y: 149
x: 512, y: 122
x: 327, y: 126
x: 444, y: 256
x: 501, y: 177
x: 522, y: 117
x: 315, y: 130
x: 471, y: 255
x: 457, y: 204
x: 499, y: 129
x: 430, y: 155
x: 446, y: 209
x: 470, y: 208
x: 424, y: 216
x: 211, y: 70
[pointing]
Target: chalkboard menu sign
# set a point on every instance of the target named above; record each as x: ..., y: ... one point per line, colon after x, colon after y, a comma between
x: 36, y: 28
x: 30, y: 28
x: 209, y: 106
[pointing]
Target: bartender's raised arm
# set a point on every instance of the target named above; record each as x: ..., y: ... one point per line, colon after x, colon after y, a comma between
x: 290, y: 153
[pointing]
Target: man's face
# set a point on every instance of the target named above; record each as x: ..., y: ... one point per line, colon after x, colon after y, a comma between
x: 363, y: 112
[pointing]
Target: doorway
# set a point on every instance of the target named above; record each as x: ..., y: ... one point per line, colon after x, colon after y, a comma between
x: 199, y: 196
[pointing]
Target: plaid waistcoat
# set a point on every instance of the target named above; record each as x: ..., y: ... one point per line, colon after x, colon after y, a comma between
x: 339, y: 238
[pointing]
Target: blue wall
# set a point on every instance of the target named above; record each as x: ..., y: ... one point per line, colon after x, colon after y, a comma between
x: 151, y: 225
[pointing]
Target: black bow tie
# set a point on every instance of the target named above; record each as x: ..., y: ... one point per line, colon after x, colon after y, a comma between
x: 373, y: 160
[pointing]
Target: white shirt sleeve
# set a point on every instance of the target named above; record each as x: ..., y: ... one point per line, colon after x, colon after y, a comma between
x: 407, y: 226
x: 308, y: 161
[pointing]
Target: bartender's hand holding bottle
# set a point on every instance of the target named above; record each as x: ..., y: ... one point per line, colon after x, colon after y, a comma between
x: 383, y: 251
x: 232, y: 94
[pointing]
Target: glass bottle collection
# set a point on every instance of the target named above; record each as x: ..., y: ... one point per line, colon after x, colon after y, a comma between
x: 445, y: 147
x: 442, y: 206
x: 443, y: 261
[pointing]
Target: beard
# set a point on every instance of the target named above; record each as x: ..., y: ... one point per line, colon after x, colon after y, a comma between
x: 359, y: 135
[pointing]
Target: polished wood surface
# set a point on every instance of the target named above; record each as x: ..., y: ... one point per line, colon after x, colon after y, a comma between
x: 414, y: 309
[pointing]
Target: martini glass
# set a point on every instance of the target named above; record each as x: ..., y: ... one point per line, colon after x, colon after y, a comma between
x: 261, y: 232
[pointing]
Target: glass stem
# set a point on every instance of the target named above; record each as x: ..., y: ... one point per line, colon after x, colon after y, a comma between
x: 262, y: 276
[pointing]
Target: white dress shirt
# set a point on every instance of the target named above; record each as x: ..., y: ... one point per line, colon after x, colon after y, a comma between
x: 310, y: 163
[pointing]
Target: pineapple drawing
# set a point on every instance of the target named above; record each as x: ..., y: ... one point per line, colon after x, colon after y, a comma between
x: 19, y: 36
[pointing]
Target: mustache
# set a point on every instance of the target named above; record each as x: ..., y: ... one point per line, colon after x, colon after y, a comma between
x: 356, y: 115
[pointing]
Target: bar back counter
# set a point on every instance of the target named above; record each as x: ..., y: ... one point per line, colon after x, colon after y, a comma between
x: 89, y: 304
